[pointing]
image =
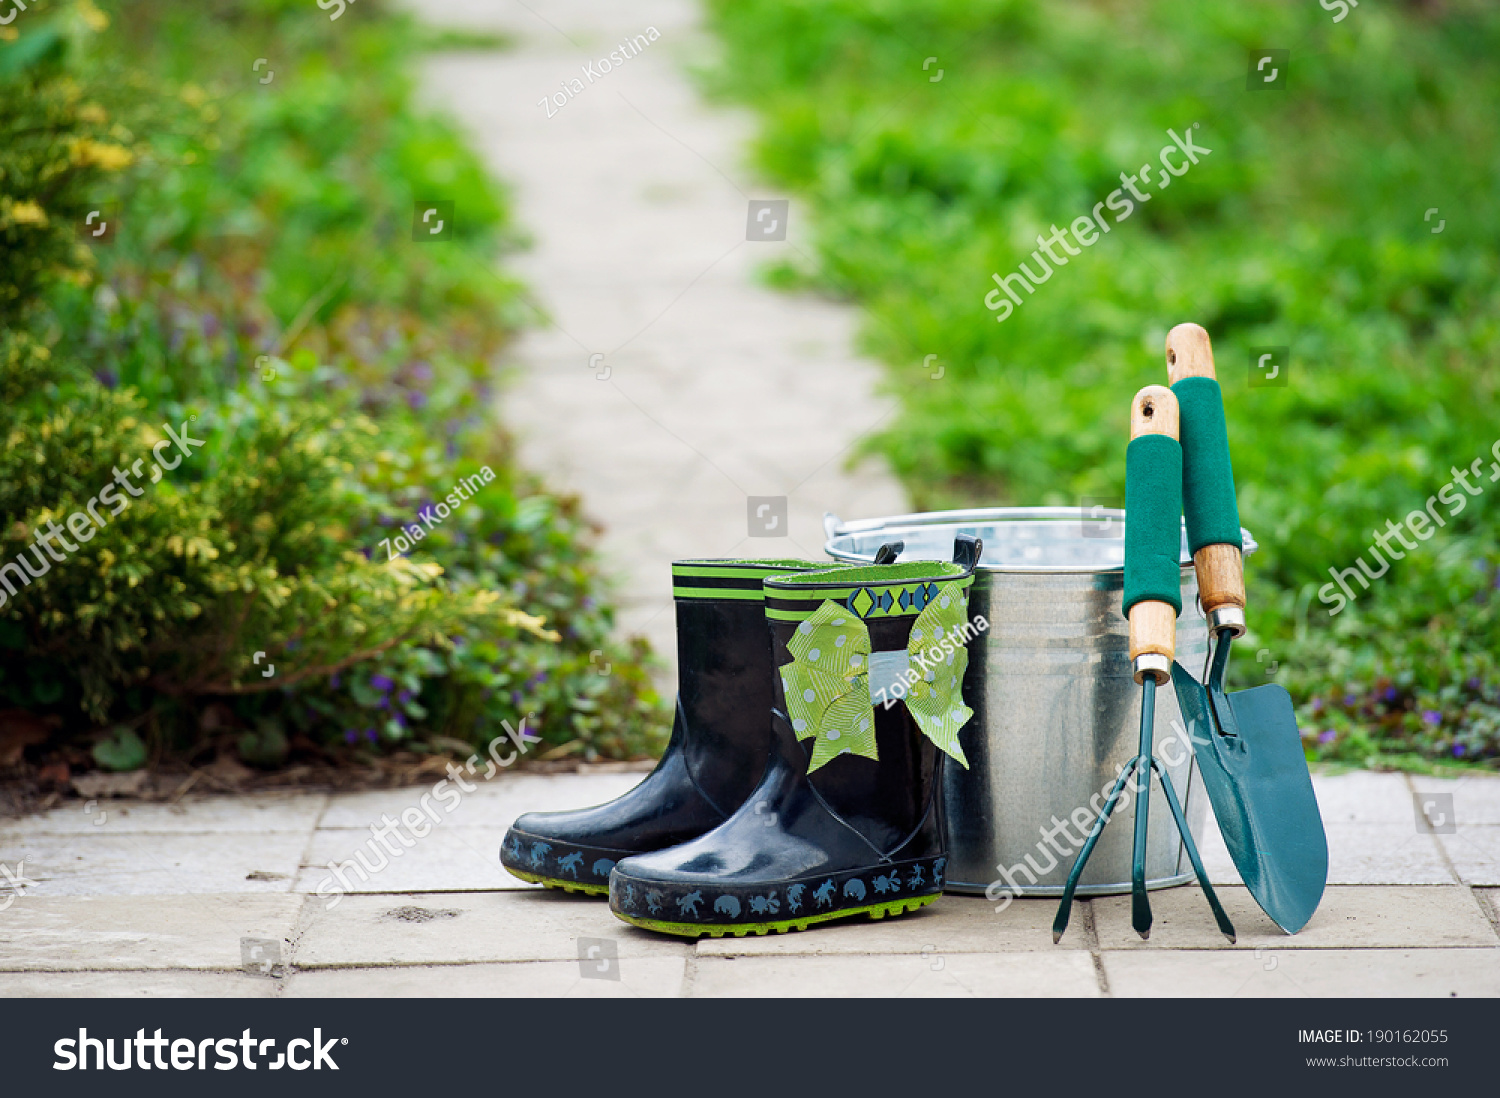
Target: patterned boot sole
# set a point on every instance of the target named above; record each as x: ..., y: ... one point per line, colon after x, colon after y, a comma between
x: 739, y: 930
x: 567, y: 866
x: 796, y: 905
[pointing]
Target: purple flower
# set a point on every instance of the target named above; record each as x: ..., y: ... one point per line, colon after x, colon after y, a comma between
x: 1458, y: 750
x: 404, y: 697
x: 515, y: 698
x: 381, y: 683
x: 334, y: 682
x: 1431, y: 716
x: 370, y: 735
x: 1474, y: 683
x: 401, y: 719
x: 416, y: 399
x: 421, y: 371
x: 107, y: 377
x: 1317, y: 706
x: 350, y: 736
x: 1349, y: 701
x: 1389, y: 693
x: 1327, y: 736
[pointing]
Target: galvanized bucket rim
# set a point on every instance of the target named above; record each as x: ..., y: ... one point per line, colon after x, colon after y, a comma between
x: 894, y: 525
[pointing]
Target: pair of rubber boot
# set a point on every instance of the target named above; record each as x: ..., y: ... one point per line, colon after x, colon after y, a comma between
x: 801, y: 782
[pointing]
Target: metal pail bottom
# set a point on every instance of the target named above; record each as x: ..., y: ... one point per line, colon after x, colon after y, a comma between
x: 1056, y: 711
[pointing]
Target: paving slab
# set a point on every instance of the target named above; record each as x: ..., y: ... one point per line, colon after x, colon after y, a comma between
x: 1363, y: 796
x: 495, y: 803
x: 444, y: 860
x: 136, y: 985
x: 466, y: 927
x: 635, y: 977
x: 954, y: 924
x: 247, y: 812
x: 1475, y: 853
x: 1063, y: 974
x: 155, y: 863
x: 1304, y: 973
x: 1476, y: 797
x: 43, y: 933
x: 1349, y: 917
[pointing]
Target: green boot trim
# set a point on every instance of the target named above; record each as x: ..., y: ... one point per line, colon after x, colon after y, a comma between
x: 739, y: 930
x: 553, y: 882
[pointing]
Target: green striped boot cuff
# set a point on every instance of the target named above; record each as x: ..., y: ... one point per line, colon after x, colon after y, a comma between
x: 870, y: 590
x: 732, y: 579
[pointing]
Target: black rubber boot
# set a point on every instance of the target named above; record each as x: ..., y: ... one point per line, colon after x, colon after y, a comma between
x: 847, y: 819
x: 721, y: 737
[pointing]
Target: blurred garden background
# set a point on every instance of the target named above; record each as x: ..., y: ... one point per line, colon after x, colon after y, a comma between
x: 263, y: 275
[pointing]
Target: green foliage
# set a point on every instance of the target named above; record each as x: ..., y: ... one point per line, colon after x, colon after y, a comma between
x: 263, y: 294
x: 1304, y: 227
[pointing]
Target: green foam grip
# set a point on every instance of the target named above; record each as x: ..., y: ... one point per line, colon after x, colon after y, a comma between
x: 1153, y: 522
x: 1208, y: 503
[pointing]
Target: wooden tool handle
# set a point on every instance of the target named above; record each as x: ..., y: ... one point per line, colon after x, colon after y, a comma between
x: 1153, y: 624
x: 1220, y: 568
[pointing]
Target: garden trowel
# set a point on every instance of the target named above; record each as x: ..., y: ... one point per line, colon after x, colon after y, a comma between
x: 1247, y: 744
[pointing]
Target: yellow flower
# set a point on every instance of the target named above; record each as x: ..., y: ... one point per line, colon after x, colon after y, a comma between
x: 27, y: 213
x: 92, y: 112
x: 109, y: 157
x: 95, y: 18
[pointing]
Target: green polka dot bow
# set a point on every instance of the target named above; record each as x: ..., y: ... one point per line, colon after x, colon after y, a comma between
x: 828, y: 696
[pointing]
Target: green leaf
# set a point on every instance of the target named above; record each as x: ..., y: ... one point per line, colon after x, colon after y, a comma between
x: 123, y: 750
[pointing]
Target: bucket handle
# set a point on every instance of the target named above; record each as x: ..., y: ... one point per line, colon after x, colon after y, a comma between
x: 967, y: 549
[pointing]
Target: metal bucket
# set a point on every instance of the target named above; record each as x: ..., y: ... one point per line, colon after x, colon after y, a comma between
x: 1056, y: 712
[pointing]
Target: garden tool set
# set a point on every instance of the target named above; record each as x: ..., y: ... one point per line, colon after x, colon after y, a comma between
x: 804, y: 780
x: 1152, y: 601
x: 1247, y: 744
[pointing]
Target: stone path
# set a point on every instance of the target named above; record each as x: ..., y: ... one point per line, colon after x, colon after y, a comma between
x: 710, y: 389
x: 203, y: 897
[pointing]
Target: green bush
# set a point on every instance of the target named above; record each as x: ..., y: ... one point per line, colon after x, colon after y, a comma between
x: 1304, y: 227
x: 262, y: 294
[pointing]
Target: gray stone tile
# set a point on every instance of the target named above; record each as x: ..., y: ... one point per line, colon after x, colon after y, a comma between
x: 1358, y: 854
x: 156, y: 863
x: 136, y: 985
x: 1476, y: 797
x: 495, y: 803
x: 954, y: 924
x: 1349, y: 917
x: 1489, y: 898
x: 1064, y: 973
x: 1363, y: 797
x: 1384, y: 853
x: 1304, y: 973
x: 536, y: 925
x: 63, y: 933
x: 1475, y: 852
x: 639, y: 977
x: 244, y: 812
x: 444, y: 860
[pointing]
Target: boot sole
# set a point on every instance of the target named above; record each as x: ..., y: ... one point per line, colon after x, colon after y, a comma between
x: 739, y: 930
x: 554, y: 882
